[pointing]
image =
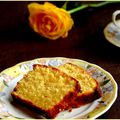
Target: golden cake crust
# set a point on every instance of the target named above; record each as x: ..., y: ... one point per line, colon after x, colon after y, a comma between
x: 90, y: 90
x: 63, y: 104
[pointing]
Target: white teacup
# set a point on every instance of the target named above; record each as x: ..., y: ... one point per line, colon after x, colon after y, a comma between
x: 116, y: 22
x: 112, y: 30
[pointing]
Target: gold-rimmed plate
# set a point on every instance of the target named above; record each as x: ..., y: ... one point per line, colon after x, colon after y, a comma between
x: 10, y: 76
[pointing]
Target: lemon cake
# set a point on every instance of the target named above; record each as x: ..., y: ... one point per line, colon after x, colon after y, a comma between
x: 46, y: 89
x: 90, y: 89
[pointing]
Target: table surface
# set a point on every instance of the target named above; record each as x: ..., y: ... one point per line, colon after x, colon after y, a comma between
x: 86, y: 41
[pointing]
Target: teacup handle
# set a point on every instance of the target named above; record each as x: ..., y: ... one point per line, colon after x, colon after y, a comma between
x: 114, y: 15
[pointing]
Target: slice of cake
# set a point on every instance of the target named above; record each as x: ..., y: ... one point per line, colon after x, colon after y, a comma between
x: 90, y: 89
x: 47, y: 89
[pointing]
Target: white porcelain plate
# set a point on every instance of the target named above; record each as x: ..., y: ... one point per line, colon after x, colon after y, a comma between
x: 10, y: 76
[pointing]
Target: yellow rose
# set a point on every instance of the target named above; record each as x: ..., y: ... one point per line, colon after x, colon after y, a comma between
x: 49, y: 21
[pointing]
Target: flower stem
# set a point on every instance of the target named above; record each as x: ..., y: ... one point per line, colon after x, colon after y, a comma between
x: 90, y: 5
x: 100, y: 4
x: 77, y: 9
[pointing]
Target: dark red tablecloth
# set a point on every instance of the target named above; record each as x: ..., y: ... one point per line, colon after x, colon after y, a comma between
x: 86, y: 41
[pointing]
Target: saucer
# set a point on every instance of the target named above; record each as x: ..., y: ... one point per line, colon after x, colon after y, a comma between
x: 112, y: 33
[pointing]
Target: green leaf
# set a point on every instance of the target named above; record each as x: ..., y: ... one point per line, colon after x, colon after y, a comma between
x: 5, y: 83
x: 105, y: 82
x: 65, y: 5
x: 88, y: 66
x: 101, y: 101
